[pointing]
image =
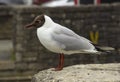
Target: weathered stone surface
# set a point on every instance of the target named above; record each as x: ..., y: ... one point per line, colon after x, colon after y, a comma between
x: 81, y: 73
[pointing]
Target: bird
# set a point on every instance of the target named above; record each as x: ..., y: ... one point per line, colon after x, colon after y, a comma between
x: 59, y: 39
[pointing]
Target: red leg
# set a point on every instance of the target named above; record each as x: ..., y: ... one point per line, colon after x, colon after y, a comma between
x: 60, y: 57
x: 61, y: 62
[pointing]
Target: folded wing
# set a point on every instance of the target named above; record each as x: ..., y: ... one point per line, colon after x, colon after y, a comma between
x: 70, y: 41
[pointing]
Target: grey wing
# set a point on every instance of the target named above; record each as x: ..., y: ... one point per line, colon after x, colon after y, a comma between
x: 70, y: 41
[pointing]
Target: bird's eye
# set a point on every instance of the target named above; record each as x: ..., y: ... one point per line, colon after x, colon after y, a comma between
x: 37, y: 21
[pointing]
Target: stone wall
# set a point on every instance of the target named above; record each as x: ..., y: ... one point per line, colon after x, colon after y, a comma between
x: 101, y: 24
x: 6, y: 23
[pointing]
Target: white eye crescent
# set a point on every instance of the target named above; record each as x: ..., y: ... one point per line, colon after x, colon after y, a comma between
x: 38, y: 21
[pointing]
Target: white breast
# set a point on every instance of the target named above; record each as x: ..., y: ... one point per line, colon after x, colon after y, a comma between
x: 45, y: 39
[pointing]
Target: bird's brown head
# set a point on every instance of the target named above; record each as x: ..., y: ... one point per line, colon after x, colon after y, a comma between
x: 37, y: 22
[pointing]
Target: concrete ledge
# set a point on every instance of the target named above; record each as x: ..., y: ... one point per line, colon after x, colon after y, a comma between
x: 17, y: 78
x: 6, y: 49
x: 81, y: 73
x: 7, y: 65
x: 6, y: 45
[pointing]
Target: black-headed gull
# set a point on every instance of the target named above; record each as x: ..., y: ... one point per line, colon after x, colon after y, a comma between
x: 60, y: 39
